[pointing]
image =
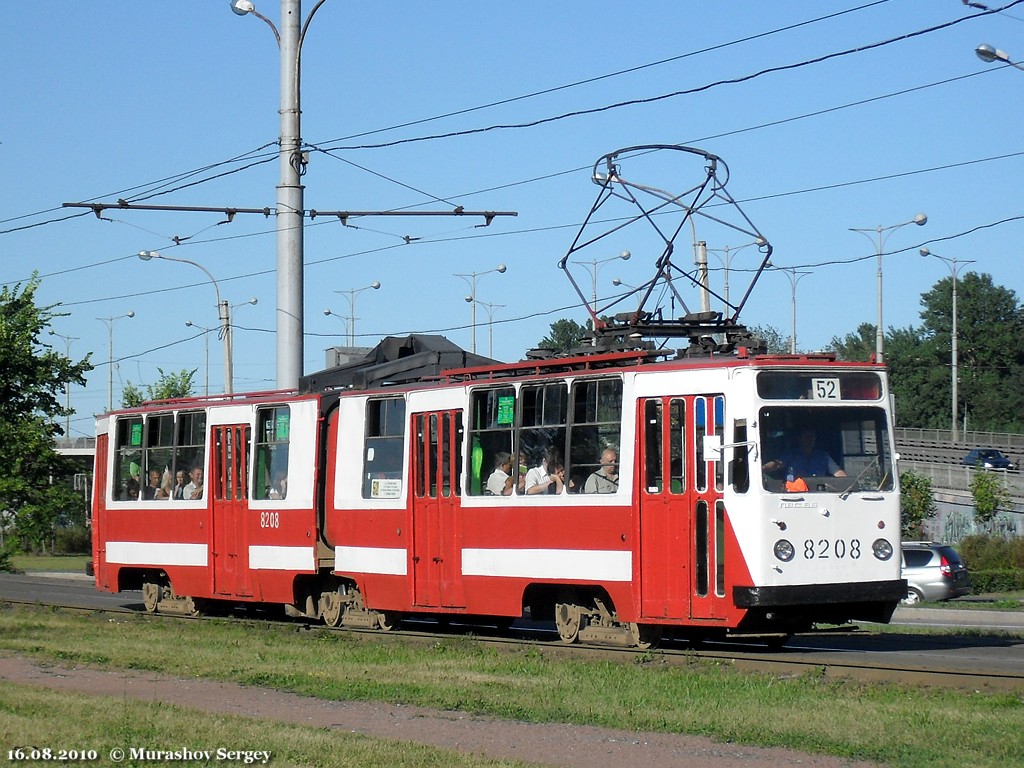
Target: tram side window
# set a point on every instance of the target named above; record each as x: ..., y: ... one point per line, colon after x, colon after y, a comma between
x: 126, y: 480
x: 188, y: 453
x: 739, y: 467
x: 544, y: 409
x: 492, y: 421
x: 270, y: 470
x: 159, y: 455
x: 677, y: 444
x: 708, y: 409
x: 594, y: 434
x: 383, y: 449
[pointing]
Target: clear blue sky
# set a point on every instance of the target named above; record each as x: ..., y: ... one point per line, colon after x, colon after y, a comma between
x: 120, y: 99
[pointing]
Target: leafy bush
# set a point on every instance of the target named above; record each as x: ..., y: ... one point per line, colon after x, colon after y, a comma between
x: 996, y: 564
x: 73, y: 540
x: 983, y: 582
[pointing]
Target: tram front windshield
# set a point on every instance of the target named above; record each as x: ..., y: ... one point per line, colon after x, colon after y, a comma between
x: 825, y: 449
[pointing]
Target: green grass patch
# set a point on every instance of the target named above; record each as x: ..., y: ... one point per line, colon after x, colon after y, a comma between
x: 895, y: 725
x: 33, y: 718
x: 51, y: 563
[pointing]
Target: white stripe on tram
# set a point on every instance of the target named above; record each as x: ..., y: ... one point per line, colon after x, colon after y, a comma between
x: 282, y: 558
x: 390, y: 562
x: 588, y: 564
x: 157, y: 553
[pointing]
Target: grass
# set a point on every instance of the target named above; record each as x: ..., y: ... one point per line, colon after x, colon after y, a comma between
x: 51, y: 563
x: 894, y: 725
x: 36, y: 718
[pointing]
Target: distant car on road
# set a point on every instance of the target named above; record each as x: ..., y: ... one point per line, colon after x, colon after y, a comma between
x: 989, y: 458
x: 933, y: 572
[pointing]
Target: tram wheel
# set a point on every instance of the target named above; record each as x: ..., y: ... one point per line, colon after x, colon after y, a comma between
x: 151, y: 596
x: 332, y: 608
x: 568, y: 617
x: 644, y: 635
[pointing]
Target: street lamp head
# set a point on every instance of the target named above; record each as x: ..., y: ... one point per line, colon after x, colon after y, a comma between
x: 253, y: 300
x: 242, y: 7
x: 131, y: 313
x: 147, y: 255
x: 501, y: 268
x: 375, y: 285
x: 327, y: 312
x: 469, y: 299
x: 616, y: 281
x: 921, y: 219
x: 625, y: 255
x: 988, y: 54
x: 925, y: 252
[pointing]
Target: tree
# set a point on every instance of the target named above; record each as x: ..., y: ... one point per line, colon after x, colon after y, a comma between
x: 565, y: 335
x: 990, y: 493
x: 33, y: 381
x: 917, y: 503
x: 855, y: 347
x: 775, y: 342
x: 168, y: 387
x: 990, y: 333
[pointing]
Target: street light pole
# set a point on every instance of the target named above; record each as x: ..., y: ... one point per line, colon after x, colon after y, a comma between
x: 290, y: 204
x: 594, y: 266
x: 490, y: 326
x: 794, y: 276
x: 350, y: 295
x: 231, y: 338
x: 206, y: 340
x: 727, y: 253
x: 223, y: 313
x: 67, y: 384
x: 953, y: 356
x: 471, y: 278
x: 110, y: 355
x: 883, y: 235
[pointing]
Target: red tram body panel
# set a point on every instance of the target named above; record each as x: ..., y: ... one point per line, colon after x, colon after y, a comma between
x: 360, y: 504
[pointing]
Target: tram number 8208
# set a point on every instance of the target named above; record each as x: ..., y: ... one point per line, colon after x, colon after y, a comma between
x: 824, y: 549
x: 270, y: 519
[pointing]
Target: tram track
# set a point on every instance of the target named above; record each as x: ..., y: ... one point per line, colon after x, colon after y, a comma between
x: 802, y: 657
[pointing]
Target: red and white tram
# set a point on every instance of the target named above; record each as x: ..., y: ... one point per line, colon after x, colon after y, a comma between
x: 384, y: 512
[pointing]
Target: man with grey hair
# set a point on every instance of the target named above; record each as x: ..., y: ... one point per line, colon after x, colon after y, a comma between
x: 605, y: 479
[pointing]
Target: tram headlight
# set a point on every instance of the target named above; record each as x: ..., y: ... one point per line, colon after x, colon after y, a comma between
x: 784, y: 550
x: 882, y: 549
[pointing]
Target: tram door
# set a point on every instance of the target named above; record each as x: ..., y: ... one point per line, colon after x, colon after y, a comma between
x: 228, y: 485
x: 436, y: 545
x: 681, y: 510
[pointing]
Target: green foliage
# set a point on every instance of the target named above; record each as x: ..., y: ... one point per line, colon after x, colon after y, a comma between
x: 31, y: 389
x: 985, y: 552
x: 565, y: 335
x: 73, y: 540
x: 855, y: 347
x: 917, y: 503
x: 990, y: 357
x: 990, y: 495
x: 775, y: 342
x: 168, y: 387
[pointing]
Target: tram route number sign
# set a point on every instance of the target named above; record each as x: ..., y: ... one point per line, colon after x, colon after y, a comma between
x: 825, y: 389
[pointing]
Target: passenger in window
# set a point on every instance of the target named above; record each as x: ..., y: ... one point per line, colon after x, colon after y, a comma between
x: 805, y: 459
x: 500, y: 481
x: 280, y: 487
x: 548, y: 476
x: 605, y: 479
x: 153, y: 489
x: 194, y: 490
x: 131, y: 489
x: 178, y: 489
